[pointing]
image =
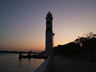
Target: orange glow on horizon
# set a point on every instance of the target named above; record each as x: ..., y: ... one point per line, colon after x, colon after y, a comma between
x: 24, y: 28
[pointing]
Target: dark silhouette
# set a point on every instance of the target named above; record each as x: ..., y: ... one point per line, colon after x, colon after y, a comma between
x: 49, y: 34
x: 83, y: 48
x: 32, y: 54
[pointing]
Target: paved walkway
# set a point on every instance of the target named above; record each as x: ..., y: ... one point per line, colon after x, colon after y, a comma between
x: 63, y: 64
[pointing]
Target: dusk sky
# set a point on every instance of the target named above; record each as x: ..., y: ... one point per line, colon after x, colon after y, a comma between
x: 22, y: 22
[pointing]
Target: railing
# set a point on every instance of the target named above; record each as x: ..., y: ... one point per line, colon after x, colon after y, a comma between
x: 46, y: 66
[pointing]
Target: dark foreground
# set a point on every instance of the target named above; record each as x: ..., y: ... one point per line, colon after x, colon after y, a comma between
x: 63, y: 64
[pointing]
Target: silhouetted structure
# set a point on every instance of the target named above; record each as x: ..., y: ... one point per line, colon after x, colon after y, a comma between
x: 31, y: 54
x: 49, y: 34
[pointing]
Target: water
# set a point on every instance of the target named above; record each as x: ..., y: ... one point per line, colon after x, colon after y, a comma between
x: 11, y: 63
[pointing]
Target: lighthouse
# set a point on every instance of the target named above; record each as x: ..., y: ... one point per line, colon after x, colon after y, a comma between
x: 49, y: 34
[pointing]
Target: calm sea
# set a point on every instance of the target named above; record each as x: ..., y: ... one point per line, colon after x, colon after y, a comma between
x: 11, y: 63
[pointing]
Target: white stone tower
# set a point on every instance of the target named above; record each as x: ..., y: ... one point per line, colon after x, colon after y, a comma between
x: 49, y: 34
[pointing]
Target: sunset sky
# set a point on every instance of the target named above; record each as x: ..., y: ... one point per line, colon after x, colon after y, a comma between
x: 22, y: 22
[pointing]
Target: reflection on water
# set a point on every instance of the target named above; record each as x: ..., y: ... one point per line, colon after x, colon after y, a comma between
x: 11, y: 63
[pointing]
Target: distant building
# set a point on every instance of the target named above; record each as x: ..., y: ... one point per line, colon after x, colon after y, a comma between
x: 49, y: 34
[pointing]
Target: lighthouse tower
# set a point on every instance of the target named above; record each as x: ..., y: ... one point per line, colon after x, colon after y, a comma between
x: 49, y: 34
